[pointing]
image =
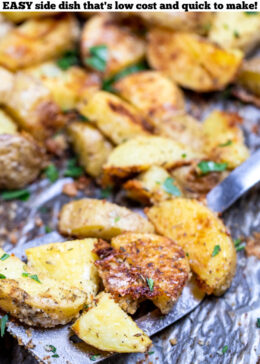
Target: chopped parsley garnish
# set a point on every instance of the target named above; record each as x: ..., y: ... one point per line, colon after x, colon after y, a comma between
x: 4, y: 257
x: 55, y: 356
x: 258, y: 323
x: 229, y: 142
x: 216, y: 250
x: 150, y: 283
x: 47, y: 229
x: 224, y: 349
x: 4, y: 320
x: 187, y: 254
x: 150, y: 352
x: 184, y: 155
x: 99, y: 57
x: 73, y: 170
x: 52, y: 349
x: 22, y: 195
x: 24, y: 274
x: 32, y: 276
x: 117, y: 218
x: 94, y: 357
x: 168, y: 186
x: 236, y: 34
x: 108, y: 83
x: 86, y: 307
x: 2, y: 276
x: 210, y: 166
x: 239, y: 245
x: 52, y: 173
x: 251, y: 13
x: 83, y: 118
x: 106, y: 192
x: 69, y: 58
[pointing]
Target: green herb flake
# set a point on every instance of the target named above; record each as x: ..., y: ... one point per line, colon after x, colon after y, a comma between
x: 239, y: 245
x: 184, y: 155
x: 83, y: 118
x: 249, y: 13
x: 187, y: 254
x: 169, y: 187
x: 69, y: 58
x: 50, y: 348
x: 86, y: 307
x: 4, y: 257
x: 106, y: 192
x: 224, y: 349
x: 216, y: 250
x: 99, y: 57
x: 94, y: 357
x: 22, y: 195
x: 150, y: 352
x: 258, y: 323
x: 226, y: 144
x: 117, y: 218
x: 35, y: 278
x: 24, y: 274
x: 73, y: 170
x: 207, y: 27
x: 52, y: 173
x: 47, y: 229
x: 150, y: 283
x: 4, y: 320
x: 210, y: 166
x: 55, y: 356
x: 2, y: 276
x: 236, y: 34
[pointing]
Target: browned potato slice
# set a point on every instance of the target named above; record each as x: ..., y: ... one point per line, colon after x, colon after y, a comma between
x: 91, y: 147
x: 141, y: 90
x: 191, y: 61
x: 34, y: 298
x: 117, y: 119
x: 21, y: 160
x: 249, y: 76
x: 123, y: 335
x: 7, y: 125
x: 31, y: 105
x: 152, y: 186
x: 224, y: 139
x: 67, y: 87
x: 124, y: 47
x: 99, y: 218
x: 202, y: 236
x: 18, y: 16
x: 37, y: 40
x: 236, y: 30
x: 141, y: 153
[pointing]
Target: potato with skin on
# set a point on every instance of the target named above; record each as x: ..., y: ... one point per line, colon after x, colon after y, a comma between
x: 148, y: 187
x: 191, y: 61
x: 224, y: 140
x: 7, y: 124
x: 141, y: 153
x: 38, y: 40
x: 100, y: 218
x: 125, y: 48
x: 67, y: 87
x: 236, y: 29
x: 116, y: 119
x: 203, y: 236
x: 249, y: 76
x: 90, y: 145
x: 71, y: 262
x: 36, y: 300
x: 123, y: 336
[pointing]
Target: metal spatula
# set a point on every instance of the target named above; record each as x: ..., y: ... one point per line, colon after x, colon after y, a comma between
x: 73, y: 351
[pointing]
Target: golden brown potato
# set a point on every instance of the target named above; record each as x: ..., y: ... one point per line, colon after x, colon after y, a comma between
x: 99, y: 218
x: 6, y: 84
x: 38, y: 40
x: 123, y: 335
x: 117, y: 119
x: 5, y: 26
x: 236, y: 30
x: 67, y: 87
x: 71, y: 262
x: 90, y: 146
x: 202, y: 236
x: 141, y: 90
x: 191, y: 61
x: 224, y: 139
x: 7, y: 125
x: 35, y: 299
x: 124, y: 47
x: 21, y: 160
x: 152, y: 186
x: 141, y: 153
x: 141, y: 267
x: 31, y: 105
x: 18, y: 16
x: 249, y: 76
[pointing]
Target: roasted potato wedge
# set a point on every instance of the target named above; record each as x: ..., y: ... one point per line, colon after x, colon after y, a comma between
x: 6, y: 85
x: 7, y: 125
x: 140, y: 267
x: 67, y: 87
x: 117, y: 119
x: 202, y: 236
x: 124, y: 46
x: 35, y: 299
x: 21, y: 160
x: 30, y: 103
x: 107, y: 327
x: 38, y: 40
x: 151, y: 186
x: 191, y: 61
x: 249, y: 76
x: 90, y: 146
x: 71, y: 262
x: 99, y: 218
x: 19, y: 16
x: 236, y: 30
x: 224, y: 141
x: 141, y: 90
x: 141, y: 153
